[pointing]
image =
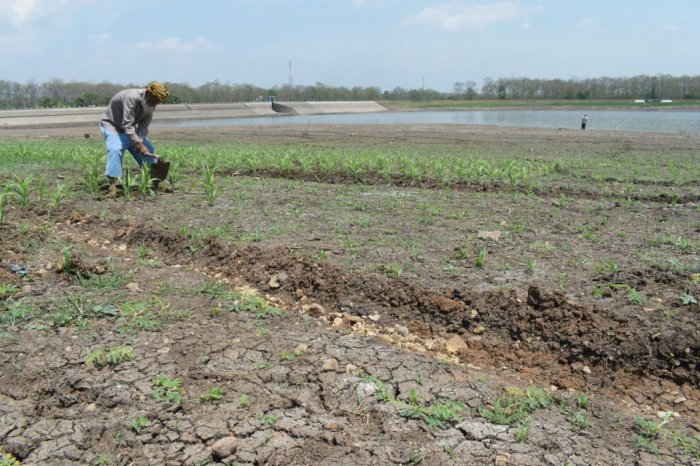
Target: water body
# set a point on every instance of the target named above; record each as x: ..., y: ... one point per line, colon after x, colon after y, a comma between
x: 645, y: 121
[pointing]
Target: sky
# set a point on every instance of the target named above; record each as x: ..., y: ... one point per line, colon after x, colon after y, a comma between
x: 384, y: 43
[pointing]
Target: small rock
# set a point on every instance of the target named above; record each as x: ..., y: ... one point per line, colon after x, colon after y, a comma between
x: 680, y: 400
x: 350, y: 368
x: 365, y: 389
x: 274, y: 283
x: 577, y: 366
x: 474, y: 314
x: 224, y: 448
x: 301, y: 348
x: 502, y: 459
x: 494, y: 235
x: 316, y: 310
x: 586, y: 369
x: 402, y: 330
x: 122, y: 247
x: 337, y: 322
x: 455, y: 344
x: 330, y: 364
x: 133, y: 286
x: 374, y: 317
x: 479, y: 329
x: 91, y: 407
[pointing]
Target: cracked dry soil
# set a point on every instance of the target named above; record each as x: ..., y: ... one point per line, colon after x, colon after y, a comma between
x: 305, y: 386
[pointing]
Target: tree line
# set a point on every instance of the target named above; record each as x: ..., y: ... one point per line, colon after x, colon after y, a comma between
x: 57, y: 93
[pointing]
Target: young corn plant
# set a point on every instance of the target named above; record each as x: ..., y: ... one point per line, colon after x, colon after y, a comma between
x: 58, y: 195
x: 144, y: 183
x: 3, y: 205
x: 22, y: 188
x: 211, y: 192
x: 174, y: 174
x: 128, y: 184
x: 91, y: 179
x: 480, y: 258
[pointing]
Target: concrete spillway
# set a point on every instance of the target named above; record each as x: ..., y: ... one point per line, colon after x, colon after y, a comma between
x: 51, y: 117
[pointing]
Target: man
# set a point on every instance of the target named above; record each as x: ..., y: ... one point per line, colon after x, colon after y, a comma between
x: 125, y: 125
x: 584, y: 121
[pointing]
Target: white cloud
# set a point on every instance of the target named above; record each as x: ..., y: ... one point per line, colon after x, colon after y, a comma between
x: 176, y: 44
x: 671, y: 28
x: 458, y: 15
x: 583, y: 24
x: 22, y: 13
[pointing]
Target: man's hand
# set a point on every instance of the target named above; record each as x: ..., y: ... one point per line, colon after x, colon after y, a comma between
x: 141, y: 148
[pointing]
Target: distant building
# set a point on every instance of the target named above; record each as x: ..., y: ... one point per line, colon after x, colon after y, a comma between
x: 666, y: 101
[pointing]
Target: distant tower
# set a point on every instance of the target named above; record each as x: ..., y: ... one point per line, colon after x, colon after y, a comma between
x: 291, y: 83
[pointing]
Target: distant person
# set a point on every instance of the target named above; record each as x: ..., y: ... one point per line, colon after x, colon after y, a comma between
x: 125, y: 125
x: 584, y: 121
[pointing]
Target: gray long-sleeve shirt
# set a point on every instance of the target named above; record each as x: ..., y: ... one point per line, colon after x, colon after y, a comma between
x: 129, y: 113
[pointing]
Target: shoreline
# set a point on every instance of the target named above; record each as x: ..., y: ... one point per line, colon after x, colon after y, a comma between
x: 473, y: 136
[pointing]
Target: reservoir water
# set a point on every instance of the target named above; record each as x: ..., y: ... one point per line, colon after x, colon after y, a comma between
x: 608, y: 120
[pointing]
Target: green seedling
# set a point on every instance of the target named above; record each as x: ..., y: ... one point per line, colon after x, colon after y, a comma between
x: 598, y: 291
x: 244, y: 400
x: 167, y: 389
x: 260, y: 365
x: 58, y: 195
x: 112, y: 357
x: 523, y: 431
x: 635, y: 297
x: 67, y: 264
x: 580, y: 420
x: 530, y: 265
x: 582, y: 401
x: 268, y: 419
x: 255, y: 305
x: 144, y: 183
x: 514, y: 408
x: 106, y: 282
x: 416, y: 458
x: 211, y: 192
x: 139, y: 423
x: 22, y: 188
x: 440, y: 413
x: 687, y: 299
x: 289, y: 355
x: 102, y: 459
x: 91, y: 179
x: 174, y: 173
x: 3, y: 205
x: 393, y: 270
x: 480, y: 258
x: 7, y: 290
x: 213, y: 394
x: 7, y: 459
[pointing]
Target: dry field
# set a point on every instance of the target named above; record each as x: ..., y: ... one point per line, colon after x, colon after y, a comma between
x: 337, y: 295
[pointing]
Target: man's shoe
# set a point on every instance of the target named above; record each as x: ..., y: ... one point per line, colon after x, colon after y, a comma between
x: 112, y: 191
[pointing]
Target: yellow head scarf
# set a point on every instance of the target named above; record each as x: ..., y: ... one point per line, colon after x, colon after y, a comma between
x: 158, y: 90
